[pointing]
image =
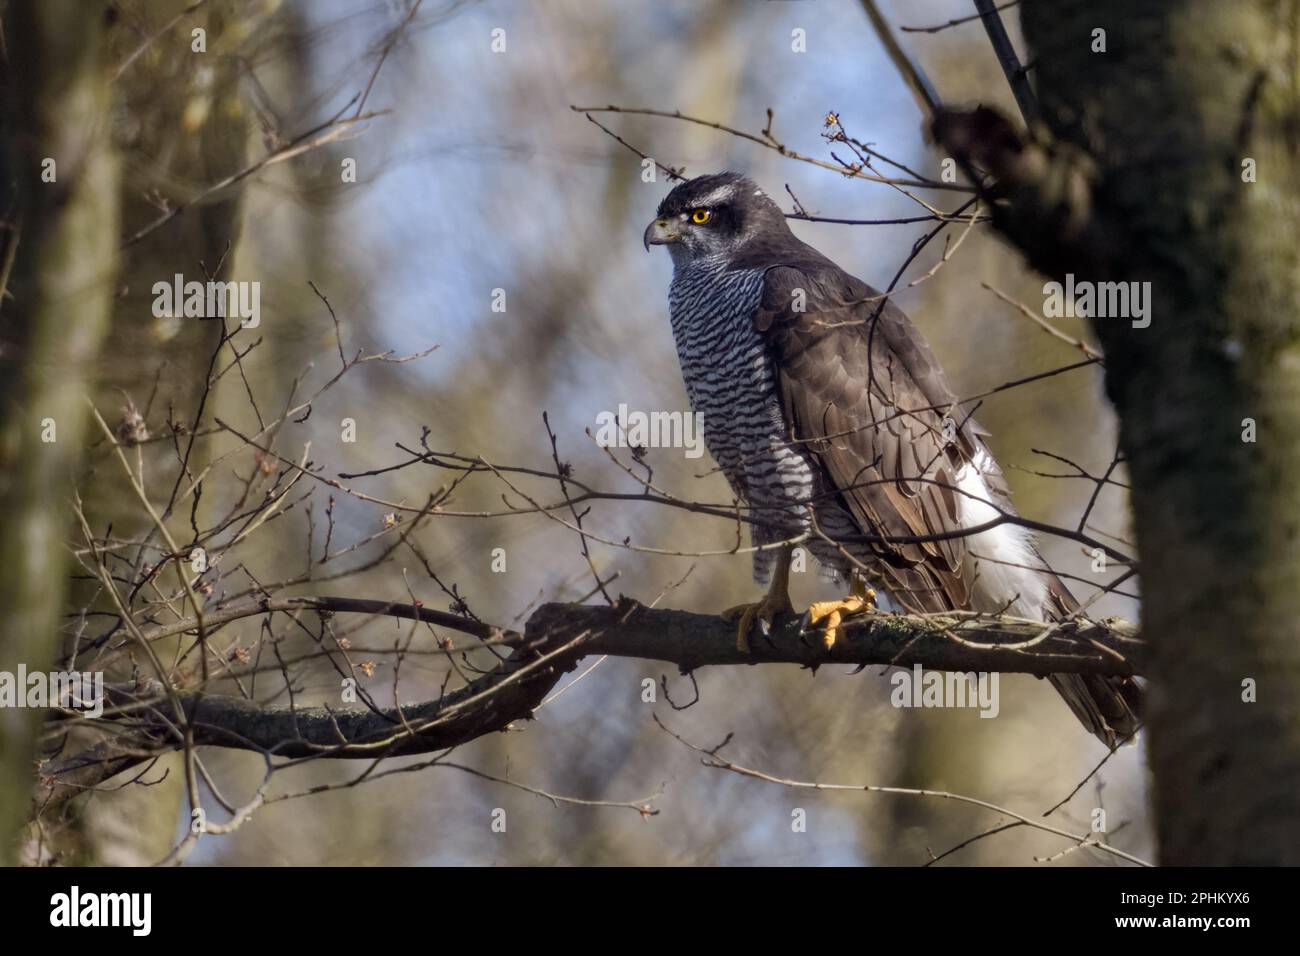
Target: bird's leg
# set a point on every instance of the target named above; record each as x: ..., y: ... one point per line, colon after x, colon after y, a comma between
x: 775, y: 601
x: 861, y: 598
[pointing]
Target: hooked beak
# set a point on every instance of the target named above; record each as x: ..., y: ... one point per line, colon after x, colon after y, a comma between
x: 660, y: 232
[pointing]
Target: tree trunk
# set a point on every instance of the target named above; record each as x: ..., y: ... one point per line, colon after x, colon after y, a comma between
x: 61, y: 238
x: 1183, y: 97
x: 180, y: 125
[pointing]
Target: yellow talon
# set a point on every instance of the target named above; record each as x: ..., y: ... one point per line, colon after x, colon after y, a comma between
x: 746, y: 613
x: 764, y: 610
x: 833, y: 613
x: 775, y: 601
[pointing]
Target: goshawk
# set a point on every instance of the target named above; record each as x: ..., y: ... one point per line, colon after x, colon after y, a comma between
x: 831, y: 419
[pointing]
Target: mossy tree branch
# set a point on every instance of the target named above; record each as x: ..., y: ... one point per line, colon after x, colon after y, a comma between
x: 555, y: 639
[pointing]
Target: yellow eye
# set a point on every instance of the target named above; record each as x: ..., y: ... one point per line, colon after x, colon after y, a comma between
x: 701, y: 216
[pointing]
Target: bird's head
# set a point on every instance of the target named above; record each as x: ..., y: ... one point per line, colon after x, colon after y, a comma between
x: 715, y: 215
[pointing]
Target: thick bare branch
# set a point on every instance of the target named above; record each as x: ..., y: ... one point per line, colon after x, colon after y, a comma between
x: 556, y: 638
x: 960, y: 641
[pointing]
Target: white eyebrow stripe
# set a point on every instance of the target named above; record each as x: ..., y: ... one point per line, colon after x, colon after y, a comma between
x: 718, y: 195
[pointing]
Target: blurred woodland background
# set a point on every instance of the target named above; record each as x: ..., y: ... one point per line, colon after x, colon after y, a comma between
x: 474, y: 174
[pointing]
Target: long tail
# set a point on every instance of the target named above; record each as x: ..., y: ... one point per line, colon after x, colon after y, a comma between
x: 1109, y: 707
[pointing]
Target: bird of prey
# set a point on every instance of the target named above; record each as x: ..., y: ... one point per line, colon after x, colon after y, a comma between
x: 831, y: 419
